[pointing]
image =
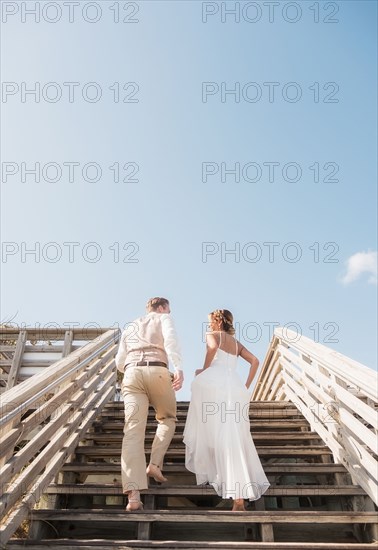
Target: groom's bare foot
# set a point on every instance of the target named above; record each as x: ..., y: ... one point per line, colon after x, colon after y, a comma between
x: 238, y: 505
x: 134, y: 502
x: 155, y: 472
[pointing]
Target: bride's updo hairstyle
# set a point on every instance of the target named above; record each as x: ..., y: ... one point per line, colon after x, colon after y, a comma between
x: 225, y: 318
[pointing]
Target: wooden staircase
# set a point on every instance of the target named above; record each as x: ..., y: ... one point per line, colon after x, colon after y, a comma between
x: 313, y: 419
x: 310, y: 504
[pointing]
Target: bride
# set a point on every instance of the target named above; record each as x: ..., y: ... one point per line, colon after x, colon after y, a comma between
x: 219, y: 446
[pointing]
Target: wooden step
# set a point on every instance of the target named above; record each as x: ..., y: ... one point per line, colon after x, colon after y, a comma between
x: 253, y: 413
x: 272, y: 424
x: 288, y: 450
x: 253, y: 417
x: 184, y: 405
x: 195, y: 490
x: 104, y: 544
x: 279, y: 438
x: 196, y: 516
x: 287, y: 447
x: 253, y: 406
x: 298, y: 468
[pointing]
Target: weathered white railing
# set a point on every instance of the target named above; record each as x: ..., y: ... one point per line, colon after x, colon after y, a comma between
x: 338, y: 397
x: 25, y: 351
x: 43, y: 419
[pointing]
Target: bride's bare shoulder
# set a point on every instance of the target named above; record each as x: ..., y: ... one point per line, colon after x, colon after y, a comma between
x: 212, y: 338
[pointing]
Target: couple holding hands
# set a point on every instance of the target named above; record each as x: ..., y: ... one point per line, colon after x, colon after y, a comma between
x: 219, y: 446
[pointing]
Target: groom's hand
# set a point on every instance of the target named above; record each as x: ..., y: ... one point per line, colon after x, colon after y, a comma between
x: 178, y: 379
x: 198, y: 371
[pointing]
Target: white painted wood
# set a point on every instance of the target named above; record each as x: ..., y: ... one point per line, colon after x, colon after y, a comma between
x: 22, y: 398
x: 17, y: 359
x: 336, y: 394
x: 23, y: 507
x: 64, y: 399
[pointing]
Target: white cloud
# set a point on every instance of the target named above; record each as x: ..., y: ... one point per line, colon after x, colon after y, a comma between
x: 360, y: 263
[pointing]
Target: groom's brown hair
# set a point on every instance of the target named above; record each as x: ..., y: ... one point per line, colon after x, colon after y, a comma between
x: 154, y: 303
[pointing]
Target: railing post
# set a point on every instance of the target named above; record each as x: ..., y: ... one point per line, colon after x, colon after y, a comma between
x: 17, y: 359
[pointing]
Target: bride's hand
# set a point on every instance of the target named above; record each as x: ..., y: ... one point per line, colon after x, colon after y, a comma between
x: 198, y: 371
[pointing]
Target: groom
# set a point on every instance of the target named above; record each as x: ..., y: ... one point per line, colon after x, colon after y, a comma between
x: 142, y: 355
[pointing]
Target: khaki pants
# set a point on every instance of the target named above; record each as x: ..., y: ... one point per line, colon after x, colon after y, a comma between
x: 142, y: 386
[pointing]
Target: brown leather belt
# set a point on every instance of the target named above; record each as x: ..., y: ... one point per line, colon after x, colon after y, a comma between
x: 146, y: 364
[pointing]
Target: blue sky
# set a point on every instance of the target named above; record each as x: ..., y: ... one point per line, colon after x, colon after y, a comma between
x: 168, y: 214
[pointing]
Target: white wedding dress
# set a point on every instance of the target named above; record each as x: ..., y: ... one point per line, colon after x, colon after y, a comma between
x: 219, y: 446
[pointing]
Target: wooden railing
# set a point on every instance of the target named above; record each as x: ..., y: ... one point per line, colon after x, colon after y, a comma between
x: 338, y: 397
x: 44, y: 418
x: 25, y: 351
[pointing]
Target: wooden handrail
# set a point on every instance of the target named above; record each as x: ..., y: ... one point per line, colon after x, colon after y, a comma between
x: 337, y: 395
x: 43, y: 420
x: 52, y: 333
x: 21, y: 397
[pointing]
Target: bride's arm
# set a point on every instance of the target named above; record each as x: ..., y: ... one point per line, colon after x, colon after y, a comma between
x: 253, y: 361
x: 211, y: 349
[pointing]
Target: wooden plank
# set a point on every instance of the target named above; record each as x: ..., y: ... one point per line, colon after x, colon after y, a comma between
x: 44, y: 348
x: 54, y: 433
x: 334, y: 389
x: 58, y: 418
x: 261, y: 388
x: 331, y: 391
x: 314, y: 450
x: 266, y: 529
x: 276, y: 384
x: 38, y: 363
x: 84, y: 420
x: 273, y: 424
x: 253, y: 412
x: 11, y: 379
x: 17, y: 359
x: 279, y: 438
x: 364, y: 435
x: 319, y: 398
x: 38, y: 348
x: 55, y: 333
x: 314, y: 372
x: 253, y: 417
x: 194, y: 490
x: 22, y: 398
x: 32, y: 389
x: 29, y: 451
x: 365, y: 411
x: 106, y: 544
x: 353, y: 373
x: 210, y: 516
x: 317, y: 417
x: 280, y: 467
x: 68, y: 338
x: 272, y: 378
x: 8, y: 442
x: 347, y: 369
x: 184, y: 405
x: 360, y: 464
x: 45, y: 410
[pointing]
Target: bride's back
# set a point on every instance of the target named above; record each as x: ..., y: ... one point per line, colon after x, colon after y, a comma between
x: 226, y: 342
